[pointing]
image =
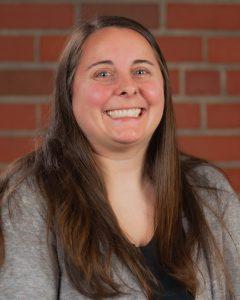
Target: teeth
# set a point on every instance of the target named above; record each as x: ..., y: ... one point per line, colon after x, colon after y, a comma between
x: 124, y: 113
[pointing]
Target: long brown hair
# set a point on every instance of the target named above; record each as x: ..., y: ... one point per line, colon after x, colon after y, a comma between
x: 79, y: 214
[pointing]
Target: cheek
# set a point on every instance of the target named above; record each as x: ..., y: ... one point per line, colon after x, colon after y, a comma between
x: 95, y: 95
x: 154, y: 92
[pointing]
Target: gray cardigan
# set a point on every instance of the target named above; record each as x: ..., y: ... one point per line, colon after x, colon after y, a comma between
x: 28, y: 271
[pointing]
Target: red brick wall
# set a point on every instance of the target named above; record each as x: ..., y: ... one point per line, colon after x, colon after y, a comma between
x: 200, y: 40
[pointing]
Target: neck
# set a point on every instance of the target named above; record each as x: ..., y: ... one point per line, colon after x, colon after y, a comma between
x: 125, y: 171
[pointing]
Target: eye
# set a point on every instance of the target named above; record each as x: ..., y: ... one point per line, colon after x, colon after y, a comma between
x: 101, y: 74
x: 142, y: 71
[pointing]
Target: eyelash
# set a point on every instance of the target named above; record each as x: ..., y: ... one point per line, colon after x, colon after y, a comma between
x: 97, y: 75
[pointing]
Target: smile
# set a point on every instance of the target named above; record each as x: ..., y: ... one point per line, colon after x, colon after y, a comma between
x: 125, y: 113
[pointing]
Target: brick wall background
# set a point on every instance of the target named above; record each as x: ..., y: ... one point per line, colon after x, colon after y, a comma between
x: 200, y: 40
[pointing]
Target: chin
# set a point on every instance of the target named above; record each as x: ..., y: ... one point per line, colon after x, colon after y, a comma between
x: 127, y: 140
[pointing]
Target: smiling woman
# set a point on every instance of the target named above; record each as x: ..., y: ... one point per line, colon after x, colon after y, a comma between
x: 122, y: 88
x: 108, y: 206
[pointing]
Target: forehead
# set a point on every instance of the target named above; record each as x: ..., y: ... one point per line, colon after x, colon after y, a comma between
x: 116, y: 42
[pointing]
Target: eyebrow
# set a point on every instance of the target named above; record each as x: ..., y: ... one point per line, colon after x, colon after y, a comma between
x: 109, y: 62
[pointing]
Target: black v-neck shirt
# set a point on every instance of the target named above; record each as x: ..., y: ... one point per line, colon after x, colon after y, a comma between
x: 173, y: 290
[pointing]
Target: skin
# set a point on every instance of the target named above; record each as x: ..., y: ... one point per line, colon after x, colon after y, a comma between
x: 120, y: 144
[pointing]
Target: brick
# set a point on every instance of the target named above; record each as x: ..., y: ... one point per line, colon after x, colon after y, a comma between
x: 51, y: 47
x: 224, y: 49
x: 146, y: 14
x: 17, y: 116
x: 215, y: 148
x: 174, y: 80
x: 45, y: 114
x: 223, y: 115
x: 37, y: 15
x: 203, y: 16
x: 202, y: 83
x: 234, y: 178
x: 16, y: 48
x: 13, y: 147
x: 233, y: 82
x: 187, y: 115
x: 25, y: 82
x: 181, y: 48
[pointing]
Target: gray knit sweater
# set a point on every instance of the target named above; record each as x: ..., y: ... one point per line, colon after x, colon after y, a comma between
x: 28, y: 272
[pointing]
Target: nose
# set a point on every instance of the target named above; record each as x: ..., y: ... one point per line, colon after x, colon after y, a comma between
x: 126, y: 86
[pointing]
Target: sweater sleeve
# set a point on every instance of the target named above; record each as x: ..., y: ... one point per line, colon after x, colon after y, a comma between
x: 230, y: 236
x: 29, y: 271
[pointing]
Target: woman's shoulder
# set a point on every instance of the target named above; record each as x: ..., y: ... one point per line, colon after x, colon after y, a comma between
x: 205, y: 172
x: 226, y: 195
x: 215, y: 176
x: 213, y: 179
x: 210, y: 182
x: 23, y: 200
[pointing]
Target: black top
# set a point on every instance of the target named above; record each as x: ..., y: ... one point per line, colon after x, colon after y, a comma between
x: 173, y: 290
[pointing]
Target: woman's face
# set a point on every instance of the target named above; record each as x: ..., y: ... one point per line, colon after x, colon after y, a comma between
x: 117, y: 70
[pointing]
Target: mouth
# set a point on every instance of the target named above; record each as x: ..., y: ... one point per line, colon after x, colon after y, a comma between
x: 133, y: 113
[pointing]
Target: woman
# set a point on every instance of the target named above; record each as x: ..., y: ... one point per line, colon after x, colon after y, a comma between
x: 107, y: 206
